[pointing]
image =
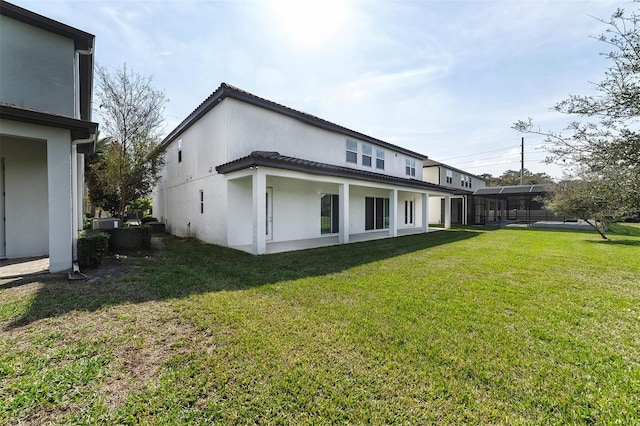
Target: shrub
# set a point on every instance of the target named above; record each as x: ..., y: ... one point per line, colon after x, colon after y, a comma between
x: 148, y: 219
x: 92, y: 248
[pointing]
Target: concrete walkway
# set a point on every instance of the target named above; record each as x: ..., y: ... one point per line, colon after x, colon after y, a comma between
x: 13, y: 268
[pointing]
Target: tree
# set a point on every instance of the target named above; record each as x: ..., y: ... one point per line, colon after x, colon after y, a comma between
x: 603, y: 152
x: 101, y: 194
x: 512, y: 178
x: 132, y: 117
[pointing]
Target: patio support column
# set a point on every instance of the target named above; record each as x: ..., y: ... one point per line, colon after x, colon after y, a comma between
x: 425, y: 212
x: 447, y: 212
x: 393, y: 213
x: 343, y: 197
x: 464, y: 210
x: 259, y: 213
x: 60, y: 202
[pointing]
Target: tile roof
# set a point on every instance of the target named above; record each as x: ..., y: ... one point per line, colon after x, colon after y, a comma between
x: 228, y: 91
x: 274, y: 159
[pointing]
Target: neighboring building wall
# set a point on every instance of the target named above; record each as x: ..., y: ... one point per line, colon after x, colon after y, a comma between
x: 40, y: 73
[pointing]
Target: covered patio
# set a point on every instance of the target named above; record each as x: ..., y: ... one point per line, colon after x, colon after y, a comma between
x: 307, y: 204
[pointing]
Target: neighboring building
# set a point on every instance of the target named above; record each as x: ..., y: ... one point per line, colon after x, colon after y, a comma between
x: 244, y: 172
x: 46, y: 78
x: 463, y: 206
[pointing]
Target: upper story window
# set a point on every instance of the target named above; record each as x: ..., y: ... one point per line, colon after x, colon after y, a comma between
x: 352, y: 151
x: 470, y: 183
x: 410, y: 167
x: 449, y: 176
x: 366, y: 155
x: 464, y: 181
x: 179, y: 150
x: 379, y: 159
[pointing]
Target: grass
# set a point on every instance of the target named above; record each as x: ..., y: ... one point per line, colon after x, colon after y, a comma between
x: 508, y: 326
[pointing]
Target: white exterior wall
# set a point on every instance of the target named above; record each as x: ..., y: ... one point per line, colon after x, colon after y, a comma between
x: 232, y: 130
x: 26, y: 198
x: 40, y: 73
x: 38, y: 192
x: 176, y: 198
x: 256, y: 129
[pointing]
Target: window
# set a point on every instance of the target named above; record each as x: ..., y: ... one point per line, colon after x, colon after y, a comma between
x: 464, y: 181
x: 329, y: 214
x: 449, y: 175
x: 352, y: 151
x: 201, y: 201
x: 410, y: 167
x: 179, y: 150
x: 470, y: 186
x: 379, y: 159
x: 408, y: 212
x: 376, y: 211
x: 366, y: 155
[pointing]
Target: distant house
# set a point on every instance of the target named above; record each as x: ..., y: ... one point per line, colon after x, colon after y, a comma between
x: 245, y: 172
x: 464, y: 210
x: 46, y: 73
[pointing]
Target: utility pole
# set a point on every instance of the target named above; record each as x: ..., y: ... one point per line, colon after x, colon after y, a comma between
x: 522, y: 162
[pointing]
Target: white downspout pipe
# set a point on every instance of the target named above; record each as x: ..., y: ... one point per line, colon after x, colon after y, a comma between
x: 76, y: 79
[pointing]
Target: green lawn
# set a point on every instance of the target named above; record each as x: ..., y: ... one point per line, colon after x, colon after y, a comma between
x: 507, y: 326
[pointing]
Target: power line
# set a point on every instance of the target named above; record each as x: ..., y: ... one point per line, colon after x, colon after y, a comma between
x: 479, y: 153
x: 457, y: 163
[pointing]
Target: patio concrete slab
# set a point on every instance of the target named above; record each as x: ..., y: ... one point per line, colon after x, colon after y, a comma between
x: 12, y: 268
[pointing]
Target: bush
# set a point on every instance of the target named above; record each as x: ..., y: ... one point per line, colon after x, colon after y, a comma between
x: 92, y: 248
x: 148, y: 219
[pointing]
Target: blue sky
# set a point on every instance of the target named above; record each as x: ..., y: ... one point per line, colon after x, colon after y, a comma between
x: 444, y: 78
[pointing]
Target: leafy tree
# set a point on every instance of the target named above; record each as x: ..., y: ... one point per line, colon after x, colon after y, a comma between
x: 603, y: 152
x: 512, y: 177
x: 100, y: 194
x: 132, y: 117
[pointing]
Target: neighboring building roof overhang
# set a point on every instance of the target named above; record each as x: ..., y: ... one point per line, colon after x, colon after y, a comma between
x: 432, y: 163
x: 79, y: 129
x: 81, y: 40
x: 228, y: 91
x: 510, y: 191
x: 275, y: 160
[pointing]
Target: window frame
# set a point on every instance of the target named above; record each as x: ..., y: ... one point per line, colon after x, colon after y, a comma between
x: 379, y: 159
x: 351, y: 153
x: 410, y: 167
x: 367, y: 156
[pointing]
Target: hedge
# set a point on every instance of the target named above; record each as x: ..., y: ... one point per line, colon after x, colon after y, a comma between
x: 92, y: 248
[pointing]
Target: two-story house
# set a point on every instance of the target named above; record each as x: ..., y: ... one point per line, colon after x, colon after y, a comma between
x: 465, y: 209
x: 46, y: 73
x: 245, y: 172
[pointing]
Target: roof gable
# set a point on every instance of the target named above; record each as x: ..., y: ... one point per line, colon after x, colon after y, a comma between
x: 227, y: 91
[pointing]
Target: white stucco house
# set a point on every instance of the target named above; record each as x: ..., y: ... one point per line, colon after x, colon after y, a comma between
x: 465, y: 209
x: 245, y: 172
x: 46, y: 78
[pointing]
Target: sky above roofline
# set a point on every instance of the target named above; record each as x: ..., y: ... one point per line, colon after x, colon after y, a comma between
x: 443, y: 78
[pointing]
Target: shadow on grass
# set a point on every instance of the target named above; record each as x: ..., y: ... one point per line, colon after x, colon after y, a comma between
x: 190, y: 267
